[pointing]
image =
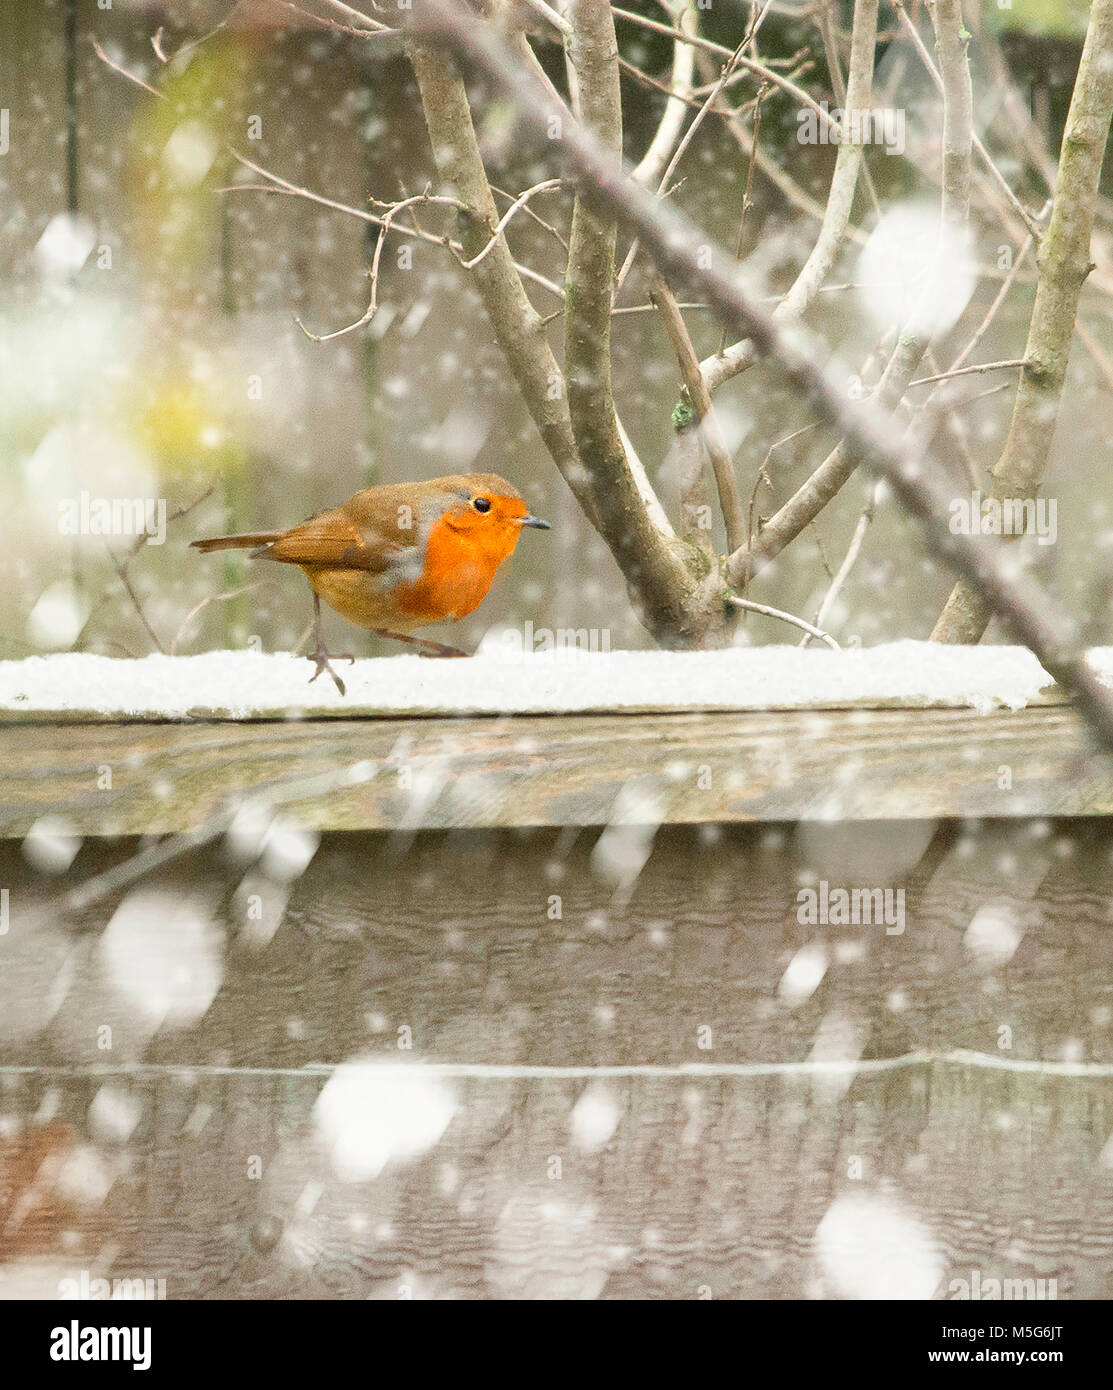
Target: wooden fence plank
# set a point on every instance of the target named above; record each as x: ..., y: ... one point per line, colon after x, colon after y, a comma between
x: 444, y: 773
x: 453, y: 937
x: 192, y: 1154
x: 717, y: 1188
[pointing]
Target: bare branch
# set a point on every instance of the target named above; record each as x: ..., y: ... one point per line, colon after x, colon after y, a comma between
x: 699, y: 398
x: 747, y: 193
x: 1019, y: 123
x: 282, y: 185
x: 657, y: 514
x: 677, y: 156
x: 522, y: 47
x: 927, y: 407
x: 983, y: 154
x: 826, y: 19
x: 368, y: 314
x: 349, y: 13
x: 652, y: 164
x: 969, y: 371
x: 120, y: 566
x: 783, y: 182
x: 133, y: 550
x: 850, y: 559
x: 518, y: 203
x: 336, y: 26
x: 737, y: 60
x: 993, y: 310
x: 513, y: 318
x: 951, y: 39
x: 836, y: 215
x: 532, y: 215
x: 751, y: 607
x: 131, y: 77
x: 1064, y: 264
x: 637, y: 543
x: 558, y: 21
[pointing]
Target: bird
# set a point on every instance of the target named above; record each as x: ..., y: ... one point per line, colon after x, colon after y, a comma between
x: 398, y: 557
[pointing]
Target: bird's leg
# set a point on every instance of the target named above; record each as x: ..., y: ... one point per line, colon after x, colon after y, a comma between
x: 319, y: 656
x: 429, y: 648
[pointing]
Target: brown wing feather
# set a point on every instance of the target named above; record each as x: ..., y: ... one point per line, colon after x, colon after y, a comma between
x: 240, y: 542
x: 333, y: 540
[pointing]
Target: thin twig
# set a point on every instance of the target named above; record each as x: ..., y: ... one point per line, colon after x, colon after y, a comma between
x: 628, y: 525
x: 210, y: 598
x: 103, y: 56
x: 1014, y: 363
x: 334, y: 26
x: 736, y: 59
x: 532, y: 215
x: 762, y: 476
x: 747, y: 192
x: 751, y: 607
x: 393, y: 210
x: 350, y: 13
x: 284, y: 186
x: 849, y: 561
x: 819, y: 490
x: 504, y: 221
x: 122, y: 573
x: 677, y: 156
x: 133, y: 550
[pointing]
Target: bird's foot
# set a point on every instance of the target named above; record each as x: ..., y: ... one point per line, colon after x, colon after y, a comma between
x: 428, y: 647
x: 321, y: 659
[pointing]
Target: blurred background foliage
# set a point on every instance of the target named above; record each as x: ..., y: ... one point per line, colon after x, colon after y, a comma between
x: 150, y: 287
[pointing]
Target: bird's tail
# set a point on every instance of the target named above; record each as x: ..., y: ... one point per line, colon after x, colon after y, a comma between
x: 242, y: 542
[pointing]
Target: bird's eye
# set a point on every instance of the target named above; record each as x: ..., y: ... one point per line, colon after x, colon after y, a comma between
x: 482, y: 504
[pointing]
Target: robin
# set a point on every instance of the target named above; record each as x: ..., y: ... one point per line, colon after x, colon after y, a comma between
x: 396, y: 558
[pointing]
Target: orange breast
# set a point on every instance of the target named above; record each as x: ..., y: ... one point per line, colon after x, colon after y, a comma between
x: 459, y: 567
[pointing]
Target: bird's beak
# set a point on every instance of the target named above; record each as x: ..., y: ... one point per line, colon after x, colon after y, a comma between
x: 530, y: 520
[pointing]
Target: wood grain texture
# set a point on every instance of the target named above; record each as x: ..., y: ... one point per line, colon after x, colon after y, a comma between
x: 526, y: 771
x: 713, y: 1182
x: 705, y: 1189
x: 451, y: 935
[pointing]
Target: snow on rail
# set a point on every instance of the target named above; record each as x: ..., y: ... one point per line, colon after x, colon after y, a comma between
x: 245, y: 685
